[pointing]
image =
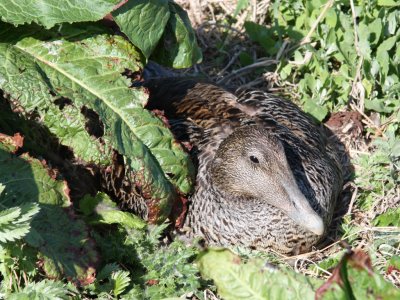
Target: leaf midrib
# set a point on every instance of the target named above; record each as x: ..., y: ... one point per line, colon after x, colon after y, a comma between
x: 78, y: 82
x: 245, y: 284
x: 86, y: 87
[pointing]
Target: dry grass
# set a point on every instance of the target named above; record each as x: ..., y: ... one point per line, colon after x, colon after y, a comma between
x: 222, y: 43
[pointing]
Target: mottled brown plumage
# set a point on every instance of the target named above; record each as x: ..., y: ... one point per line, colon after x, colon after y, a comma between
x: 267, y: 175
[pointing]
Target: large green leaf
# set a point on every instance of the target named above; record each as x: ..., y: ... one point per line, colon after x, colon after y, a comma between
x: 86, y: 73
x: 237, y: 280
x: 382, y: 54
x: 32, y: 90
x: 50, y: 12
x: 102, y: 210
x: 389, y: 3
x: 143, y: 22
x: 178, y: 47
x: 60, y: 236
x: 354, y: 278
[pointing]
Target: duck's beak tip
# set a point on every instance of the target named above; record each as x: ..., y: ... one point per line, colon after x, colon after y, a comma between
x: 306, y: 217
x: 316, y: 225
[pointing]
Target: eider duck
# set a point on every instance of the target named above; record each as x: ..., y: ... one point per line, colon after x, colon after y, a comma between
x: 267, y: 175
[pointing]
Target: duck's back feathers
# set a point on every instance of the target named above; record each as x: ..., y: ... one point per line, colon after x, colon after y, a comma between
x: 268, y: 107
x: 197, y: 110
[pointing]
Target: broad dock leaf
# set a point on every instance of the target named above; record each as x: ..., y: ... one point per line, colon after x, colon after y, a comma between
x: 85, y: 72
x: 50, y: 12
x: 178, y: 46
x: 143, y: 22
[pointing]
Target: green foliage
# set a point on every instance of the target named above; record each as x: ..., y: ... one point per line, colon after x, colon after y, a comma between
x: 178, y: 47
x: 60, y: 237
x: 110, y: 281
x: 379, y: 171
x: 15, y: 221
x: 144, y: 22
x: 88, y: 71
x: 394, y: 262
x: 18, y: 263
x: 170, y: 40
x: 50, y: 12
x: 329, y: 263
x: 43, y: 290
x: 389, y: 218
x: 150, y: 270
x: 333, y: 62
x: 252, y: 280
x: 241, y: 4
x: 172, y: 271
x: 70, y: 83
x: 353, y: 278
x: 120, y: 280
x: 136, y: 20
x: 157, y: 271
x: 390, y: 3
x: 73, y: 80
x: 120, y: 236
x: 102, y: 210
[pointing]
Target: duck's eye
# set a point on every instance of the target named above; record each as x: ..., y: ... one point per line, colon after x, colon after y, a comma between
x: 254, y: 159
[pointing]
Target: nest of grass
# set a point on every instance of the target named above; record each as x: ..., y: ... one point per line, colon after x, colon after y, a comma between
x: 221, y: 35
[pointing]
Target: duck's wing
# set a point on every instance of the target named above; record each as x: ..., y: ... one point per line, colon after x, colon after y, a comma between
x: 267, y: 107
x: 201, y: 113
x: 192, y: 99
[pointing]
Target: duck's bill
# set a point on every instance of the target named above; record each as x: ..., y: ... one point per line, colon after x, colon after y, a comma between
x: 303, y: 214
x: 309, y: 220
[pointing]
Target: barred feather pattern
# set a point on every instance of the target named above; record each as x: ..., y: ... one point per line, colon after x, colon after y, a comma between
x: 204, y: 115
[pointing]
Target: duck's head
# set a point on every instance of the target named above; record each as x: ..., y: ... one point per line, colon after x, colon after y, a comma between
x: 251, y: 164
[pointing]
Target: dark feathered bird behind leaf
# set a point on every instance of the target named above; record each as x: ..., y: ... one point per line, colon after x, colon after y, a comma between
x: 267, y: 175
